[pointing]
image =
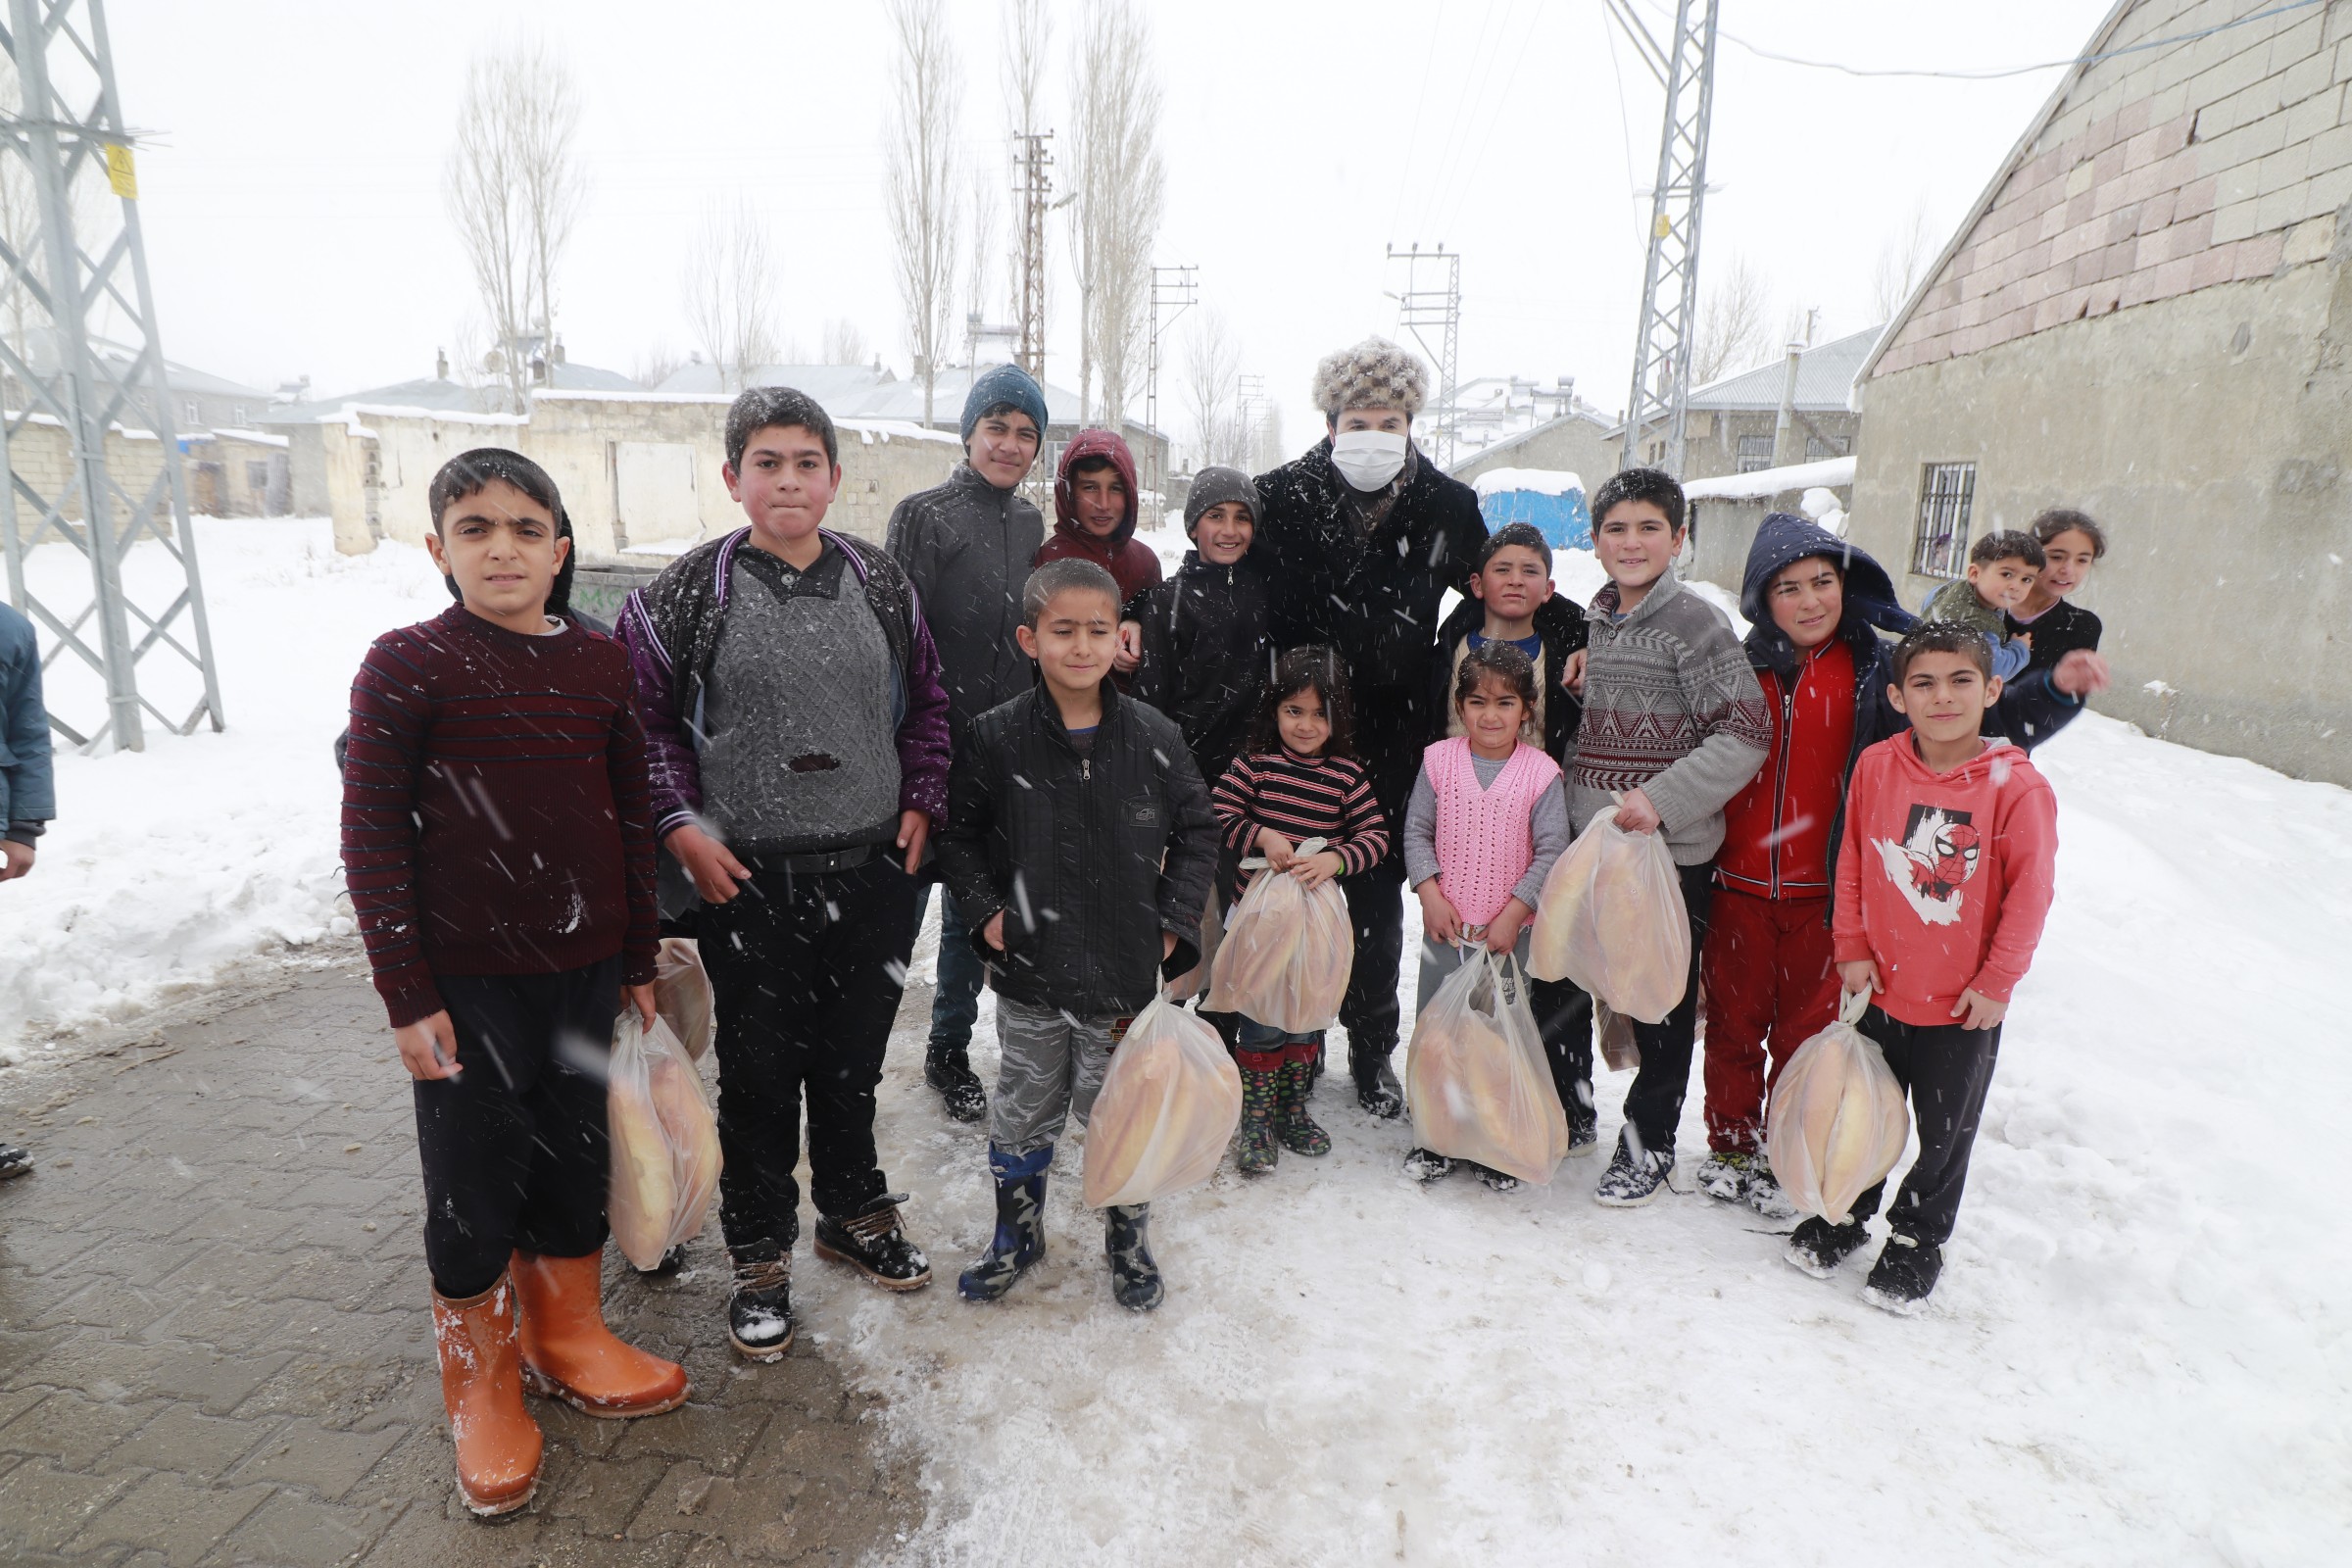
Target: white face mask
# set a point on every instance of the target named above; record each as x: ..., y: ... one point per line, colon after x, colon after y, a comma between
x: 1367, y: 459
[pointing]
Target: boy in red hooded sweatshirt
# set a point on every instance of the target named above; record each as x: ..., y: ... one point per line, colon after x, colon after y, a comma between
x: 1095, y: 501
x: 1943, y: 880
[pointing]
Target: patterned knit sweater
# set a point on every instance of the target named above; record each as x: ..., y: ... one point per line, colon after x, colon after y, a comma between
x: 1672, y: 709
x: 1302, y: 798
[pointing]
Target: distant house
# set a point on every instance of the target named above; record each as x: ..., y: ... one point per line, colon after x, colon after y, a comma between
x: 1727, y: 510
x: 1733, y: 421
x: 1575, y: 442
x: 2144, y: 315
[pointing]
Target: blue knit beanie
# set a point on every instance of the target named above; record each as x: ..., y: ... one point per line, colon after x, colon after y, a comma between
x: 1007, y: 383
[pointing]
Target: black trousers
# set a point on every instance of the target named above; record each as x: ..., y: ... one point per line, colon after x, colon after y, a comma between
x: 1654, y: 1106
x: 1376, y: 908
x: 1564, y: 1019
x: 1947, y: 1071
x: 513, y: 1147
x: 806, y: 969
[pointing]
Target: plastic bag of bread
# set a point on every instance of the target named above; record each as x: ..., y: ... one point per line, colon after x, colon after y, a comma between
x: 1287, y: 952
x: 1611, y: 918
x: 1619, y: 1050
x: 1167, y: 1109
x: 665, y: 1154
x: 683, y: 995
x: 1476, y: 1079
x: 1838, y: 1121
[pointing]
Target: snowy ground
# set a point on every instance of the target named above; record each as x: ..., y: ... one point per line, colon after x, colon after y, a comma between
x: 2139, y: 1353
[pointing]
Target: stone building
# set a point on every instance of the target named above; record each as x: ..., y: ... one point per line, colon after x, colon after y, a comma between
x: 1733, y: 425
x: 2139, y: 316
x: 1576, y: 442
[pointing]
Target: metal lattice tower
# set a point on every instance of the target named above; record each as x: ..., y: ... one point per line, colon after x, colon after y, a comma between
x: 1033, y: 197
x: 68, y: 130
x: 1432, y: 304
x: 1175, y: 291
x: 1659, y: 398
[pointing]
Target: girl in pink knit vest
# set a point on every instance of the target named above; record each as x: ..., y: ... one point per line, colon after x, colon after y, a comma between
x: 1487, y: 818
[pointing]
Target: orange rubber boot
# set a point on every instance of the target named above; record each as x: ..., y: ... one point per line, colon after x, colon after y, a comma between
x: 482, y: 1387
x: 568, y: 1353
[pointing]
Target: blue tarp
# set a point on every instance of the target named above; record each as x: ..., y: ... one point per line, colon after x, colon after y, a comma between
x: 1564, y: 518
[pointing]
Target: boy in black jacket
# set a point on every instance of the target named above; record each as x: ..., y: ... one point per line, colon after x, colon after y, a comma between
x: 1079, y: 842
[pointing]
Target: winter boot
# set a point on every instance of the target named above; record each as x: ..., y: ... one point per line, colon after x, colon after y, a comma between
x: 14, y: 1161
x: 871, y: 1243
x: 1376, y: 1087
x: 948, y: 1069
x: 1134, y: 1277
x: 567, y: 1351
x: 1295, y: 1128
x: 1020, y: 1239
x: 481, y: 1388
x: 1726, y: 1175
x: 1764, y: 1194
x: 1498, y: 1181
x: 759, y: 1306
x: 1904, y: 1275
x: 1428, y: 1165
x: 1817, y: 1247
x: 1633, y: 1177
x: 1255, y: 1152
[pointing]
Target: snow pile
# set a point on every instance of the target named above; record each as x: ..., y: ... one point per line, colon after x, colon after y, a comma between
x: 166, y: 864
x: 1828, y: 472
x: 1537, y: 481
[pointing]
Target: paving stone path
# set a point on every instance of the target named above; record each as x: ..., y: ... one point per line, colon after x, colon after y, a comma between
x: 215, y: 1347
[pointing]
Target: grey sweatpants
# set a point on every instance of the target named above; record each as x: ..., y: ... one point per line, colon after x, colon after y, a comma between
x: 1052, y: 1064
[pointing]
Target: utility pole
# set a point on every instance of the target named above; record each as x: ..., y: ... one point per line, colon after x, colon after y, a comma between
x: 1432, y: 302
x: 63, y: 61
x: 1660, y: 395
x: 1175, y: 291
x: 1032, y: 195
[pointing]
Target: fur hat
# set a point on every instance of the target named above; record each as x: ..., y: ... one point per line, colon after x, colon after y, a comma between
x: 1374, y: 374
x: 1214, y: 485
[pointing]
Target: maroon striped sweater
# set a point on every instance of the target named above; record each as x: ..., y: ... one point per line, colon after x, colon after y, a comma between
x: 496, y: 818
x: 1302, y: 798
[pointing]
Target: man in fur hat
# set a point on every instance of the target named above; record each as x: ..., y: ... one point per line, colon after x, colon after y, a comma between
x: 1361, y: 536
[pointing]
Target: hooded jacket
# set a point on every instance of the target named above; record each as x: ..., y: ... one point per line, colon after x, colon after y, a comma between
x: 967, y: 547
x: 28, y: 790
x: 1131, y: 566
x: 1205, y: 652
x: 1371, y: 595
x: 1559, y: 623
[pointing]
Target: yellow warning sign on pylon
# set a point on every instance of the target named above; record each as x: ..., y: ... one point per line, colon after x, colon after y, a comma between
x: 121, y: 172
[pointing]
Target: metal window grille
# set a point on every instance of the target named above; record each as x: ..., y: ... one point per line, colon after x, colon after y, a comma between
x: 1940, y: 545
x: 1756, y: 454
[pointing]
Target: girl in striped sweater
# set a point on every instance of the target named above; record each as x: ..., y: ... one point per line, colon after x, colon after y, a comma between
x: 1298, y: 779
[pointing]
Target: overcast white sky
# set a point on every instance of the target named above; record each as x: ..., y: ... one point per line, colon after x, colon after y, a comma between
x: 295, y: 222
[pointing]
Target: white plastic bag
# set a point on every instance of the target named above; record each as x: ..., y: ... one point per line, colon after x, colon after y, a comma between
x: 1168, y: 1108
x: 1838, y: 1121
x: 665, y: 1159
x: 1611, y: 918
x: 683, y: 995
x: 1476, y: 1077
x: 1285, y: 958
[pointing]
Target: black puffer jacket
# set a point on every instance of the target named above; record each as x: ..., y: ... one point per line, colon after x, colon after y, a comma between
x: 968, y: 546
x: 1373, y: 597
x: 1205, y: 642
x: 1559, y: 623
x: 1091, y: 857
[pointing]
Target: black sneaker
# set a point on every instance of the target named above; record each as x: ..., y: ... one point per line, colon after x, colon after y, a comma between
x: 759, y: 1306
x: 1134, y: 1277
x: 1428, y: 1165
x: 1904, y: 1276
x: 1725, y: 1175
x: 950, y: 1071
x: 14, y: 1161
x: 1376, y: 1086
x: 871, y: 1243
x: 1582, y: 1138
x: 1632, y: 1179
x: 1817, y: 1247
x: 1496, y: 1180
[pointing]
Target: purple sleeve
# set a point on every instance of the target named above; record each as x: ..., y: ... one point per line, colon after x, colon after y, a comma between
x: 671, y: 769
x: 924, y: 750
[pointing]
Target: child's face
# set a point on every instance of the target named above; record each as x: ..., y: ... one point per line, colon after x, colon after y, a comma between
x: 1101, y: 498
x: 1945, y: 696
x: 1512, y: 583
x: 1223, y: 533
x: 503, y: 548
x: 785, y: 484
x: 1305, y: 728
x: 1492, y: 716
x: 2068, y: 563
x: 2002, y: 585
x: 1073, y: 639
x: 1002, y: 449
x: 1806, y: 598
x: 1636, y: 543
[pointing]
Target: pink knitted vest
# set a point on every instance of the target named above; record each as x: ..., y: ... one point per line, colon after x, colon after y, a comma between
x: 1485, y: 837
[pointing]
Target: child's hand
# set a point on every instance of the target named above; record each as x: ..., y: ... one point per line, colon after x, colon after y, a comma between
x: 642, y: 998
x: 1276, y: 849
x: 429, y: 1048
x: 1977, y: 1011
x: 2025, y: 640
x: 1130, y: 652
x: 1502, y: 932
x: 1859, y: 978
x: 1313, y: 870
x: 2081, y: 673
x: 717, y: 875
x: 1636, y: 814
x: 993, y: 933
x: 1572, y: 673
x: 1167, y: 946
x: 1438, y: 917
x: 914, y: 827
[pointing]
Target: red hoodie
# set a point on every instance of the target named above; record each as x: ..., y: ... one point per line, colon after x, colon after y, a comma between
x: 1776, y: 831
x: 1132, y: 564
x: 1945, y: 879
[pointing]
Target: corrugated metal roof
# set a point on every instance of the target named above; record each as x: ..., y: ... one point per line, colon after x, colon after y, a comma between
x: 1824, y: 373
x: 827, y: 383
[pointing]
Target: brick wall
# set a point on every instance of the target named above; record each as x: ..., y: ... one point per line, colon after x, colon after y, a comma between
x: 2165, y: 172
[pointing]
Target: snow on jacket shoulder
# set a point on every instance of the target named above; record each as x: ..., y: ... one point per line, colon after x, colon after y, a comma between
x: 27, y: 787
x: 1203, y: 654
x: 967, y: 546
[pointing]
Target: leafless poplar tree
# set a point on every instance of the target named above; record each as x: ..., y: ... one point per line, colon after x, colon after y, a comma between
x: 844, y: 343
x: 1119, y: 186
x: 1901, y: 259
x: 925, y: 98
x: 980, y: 281
x: 1734, y: 323
x: 730, y: 285
x: 1212, y: 363
x: 655, y: 366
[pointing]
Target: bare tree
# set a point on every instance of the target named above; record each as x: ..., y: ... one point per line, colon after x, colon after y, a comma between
x: 1265, y: 443
x: 1901, y: 261
x: 1028, y: 35
x: 980, y: 262
x: 730, y: 282
x: 1734, y: 323
x: 1119, y: 186
x: 1028, y: 39
x: 655, y: 366
x: 844, y: 343
x: 1212, y: 363
x: 925, y: 98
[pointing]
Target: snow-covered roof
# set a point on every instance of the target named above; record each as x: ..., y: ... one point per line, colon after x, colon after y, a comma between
x: 253, y: 437
x: 827, y: 383
x: 1540, y: 481
x: 573, y: 376
x: 1829, y: 474
x: 428, y: 393
x: 1824, y: 375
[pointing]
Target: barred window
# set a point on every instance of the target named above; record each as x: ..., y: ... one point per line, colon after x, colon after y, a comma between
x: 1756, y: 454
x: 1941, y: 547
x: 1818, y: 450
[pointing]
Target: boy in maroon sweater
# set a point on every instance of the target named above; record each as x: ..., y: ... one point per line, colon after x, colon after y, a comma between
x: 498, y: 845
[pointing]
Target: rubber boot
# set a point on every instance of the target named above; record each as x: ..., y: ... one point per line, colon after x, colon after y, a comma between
x: 1255, y: 1152
x: 1293, y: 1126
x: 1134, y: 1278
x: 569, y: 1354
x: 1019, y: 1243
x: 498, y: 1443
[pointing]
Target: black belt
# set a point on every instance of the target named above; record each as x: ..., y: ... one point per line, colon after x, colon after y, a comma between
x: 848, y: 860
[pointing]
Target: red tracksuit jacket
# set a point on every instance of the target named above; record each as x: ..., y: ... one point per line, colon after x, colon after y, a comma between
x: 1776, y: 831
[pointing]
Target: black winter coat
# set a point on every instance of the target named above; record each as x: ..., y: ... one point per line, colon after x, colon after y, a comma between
x: 967, y: 547
x: 1090, y: 856
x: 1204, y: 643
x: 1372, y: 598
x: 1560, y: 623
x: 2057, y: 632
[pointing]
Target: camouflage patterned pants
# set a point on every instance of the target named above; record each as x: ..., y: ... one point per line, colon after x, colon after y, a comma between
x: 1053, y: 1066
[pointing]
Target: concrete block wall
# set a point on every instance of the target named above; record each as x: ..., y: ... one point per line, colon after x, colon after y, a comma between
x: 41, y: 454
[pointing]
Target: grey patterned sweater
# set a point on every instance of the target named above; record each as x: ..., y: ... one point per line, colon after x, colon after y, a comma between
x: 1672, y: 709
